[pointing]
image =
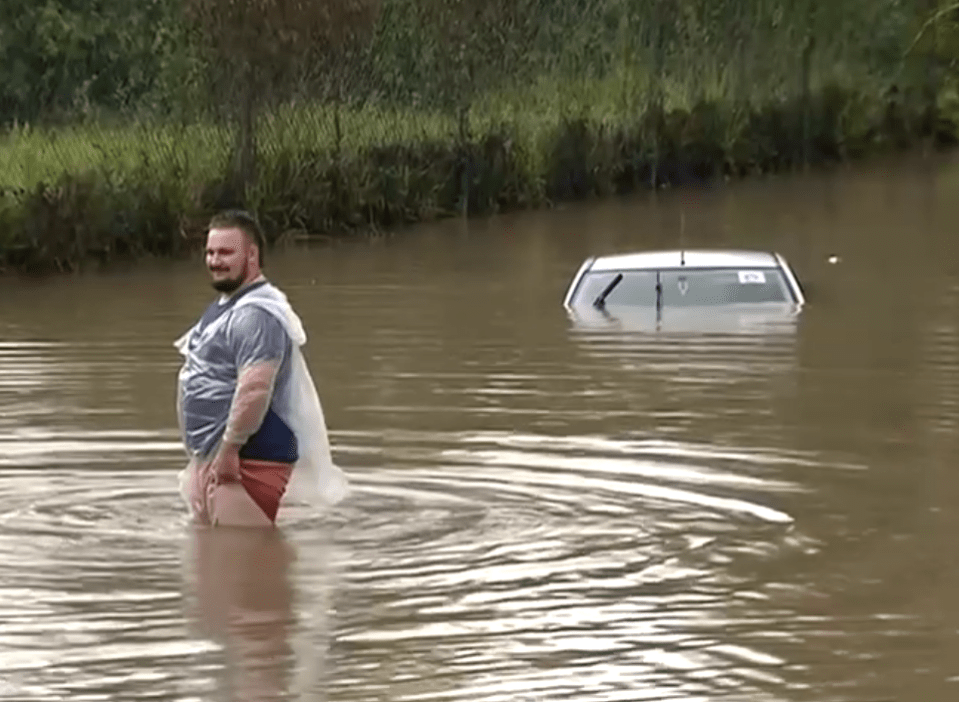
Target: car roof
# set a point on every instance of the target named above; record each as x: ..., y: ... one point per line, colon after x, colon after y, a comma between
x: 695, y: 258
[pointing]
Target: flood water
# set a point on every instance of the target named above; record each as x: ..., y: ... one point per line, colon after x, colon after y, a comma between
x: 540, y: 511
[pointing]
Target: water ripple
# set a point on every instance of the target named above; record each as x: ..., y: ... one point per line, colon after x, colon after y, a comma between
x: 758, y: 511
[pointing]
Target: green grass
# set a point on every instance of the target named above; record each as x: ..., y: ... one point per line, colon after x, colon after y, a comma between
x: 311, y: 126
x: 197, y: 153
x: 102, y: 191
x: 31, y: 156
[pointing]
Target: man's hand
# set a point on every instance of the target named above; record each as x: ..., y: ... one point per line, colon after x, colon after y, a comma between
x: 226, y: 464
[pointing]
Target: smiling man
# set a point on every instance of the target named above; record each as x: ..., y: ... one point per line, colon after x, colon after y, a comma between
x: 248, y: 410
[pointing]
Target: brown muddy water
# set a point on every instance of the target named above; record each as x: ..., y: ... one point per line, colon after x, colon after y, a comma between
x: 541, y: 512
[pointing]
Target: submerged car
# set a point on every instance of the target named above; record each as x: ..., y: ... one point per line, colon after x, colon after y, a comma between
x: 685, y: 290
x: 684, y: 279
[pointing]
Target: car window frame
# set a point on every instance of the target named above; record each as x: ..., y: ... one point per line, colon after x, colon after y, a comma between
x: 575, y: 298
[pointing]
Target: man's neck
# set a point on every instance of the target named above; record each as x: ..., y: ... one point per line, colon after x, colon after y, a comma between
x: 258, y: 279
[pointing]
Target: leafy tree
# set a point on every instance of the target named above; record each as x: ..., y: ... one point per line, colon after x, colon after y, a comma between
x: 69, y: 57
x: 255, y: 47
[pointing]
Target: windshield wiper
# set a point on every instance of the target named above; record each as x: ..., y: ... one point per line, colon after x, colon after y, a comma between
x: 600, y: 300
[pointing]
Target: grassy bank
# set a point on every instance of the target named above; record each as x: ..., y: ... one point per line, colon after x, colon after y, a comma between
x: 95, y: 193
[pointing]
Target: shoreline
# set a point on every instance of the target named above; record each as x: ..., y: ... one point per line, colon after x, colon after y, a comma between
x: 151, y: 195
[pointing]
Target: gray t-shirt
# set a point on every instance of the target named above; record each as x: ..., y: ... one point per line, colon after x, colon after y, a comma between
x: 217, y: 351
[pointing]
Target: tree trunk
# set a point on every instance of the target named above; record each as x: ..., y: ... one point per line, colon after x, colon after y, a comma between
x: 341, y: 208
x: 806, y: 88
x: 463, y: 124
x: 245, y: 150
x: 466, y: 160
x: 931, y: 87
x: 657, y: 102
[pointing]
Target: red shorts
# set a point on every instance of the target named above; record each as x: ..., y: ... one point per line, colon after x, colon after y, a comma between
x: 254, y: 501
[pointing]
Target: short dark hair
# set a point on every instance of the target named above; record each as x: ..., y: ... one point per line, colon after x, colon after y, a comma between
x: 245, y: 222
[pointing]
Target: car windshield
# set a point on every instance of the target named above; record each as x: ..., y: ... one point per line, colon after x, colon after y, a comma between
x: 686, y: 287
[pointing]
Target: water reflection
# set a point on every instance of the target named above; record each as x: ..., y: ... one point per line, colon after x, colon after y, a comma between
x: 528, y: 566
x: 767, y: 319
x: 243, y: 600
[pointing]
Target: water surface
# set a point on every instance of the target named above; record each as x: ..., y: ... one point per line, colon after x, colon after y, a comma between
x: 541, y: 511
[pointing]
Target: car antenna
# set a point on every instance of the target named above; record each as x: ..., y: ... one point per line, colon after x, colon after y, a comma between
x: 682, y: 237
x: 659, y: 296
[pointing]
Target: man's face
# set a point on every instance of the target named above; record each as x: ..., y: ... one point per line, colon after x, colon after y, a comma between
x: 228, y: 258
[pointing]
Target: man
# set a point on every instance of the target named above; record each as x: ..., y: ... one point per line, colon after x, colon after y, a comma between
x: 248, y: 411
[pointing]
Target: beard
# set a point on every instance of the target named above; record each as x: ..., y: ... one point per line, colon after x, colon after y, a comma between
x: 230, y: 285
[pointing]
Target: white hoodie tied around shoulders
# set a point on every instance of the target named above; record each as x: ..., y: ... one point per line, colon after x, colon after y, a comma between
x: 315, y: 480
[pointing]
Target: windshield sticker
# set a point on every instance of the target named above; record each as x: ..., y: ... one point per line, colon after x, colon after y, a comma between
x: 683, y: 286
x: 747, y: 277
